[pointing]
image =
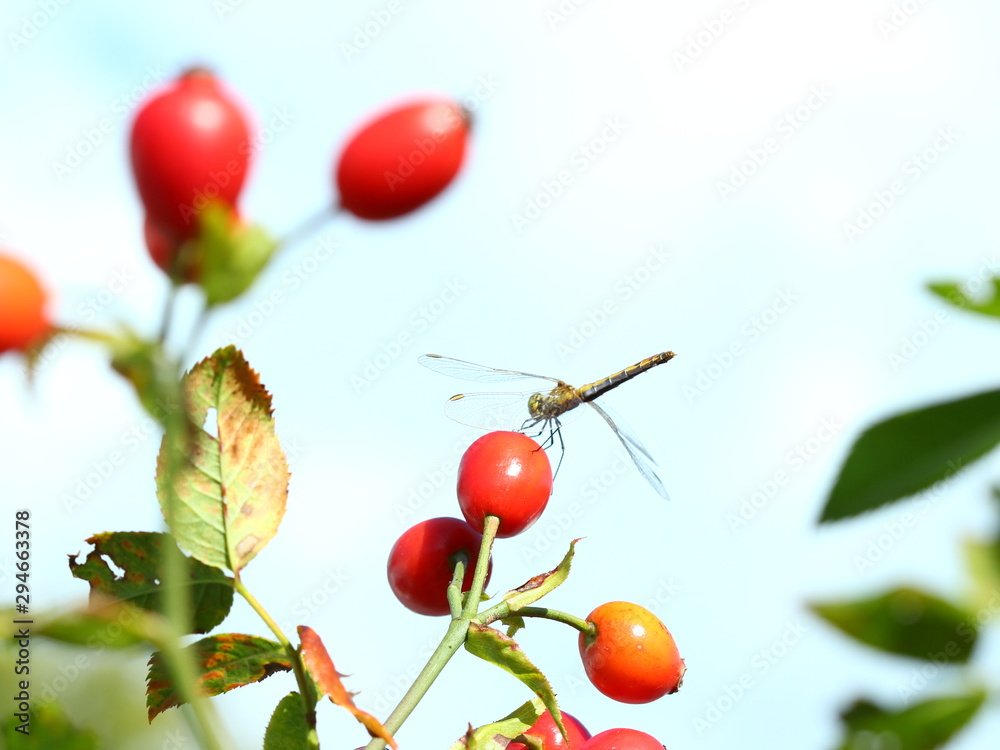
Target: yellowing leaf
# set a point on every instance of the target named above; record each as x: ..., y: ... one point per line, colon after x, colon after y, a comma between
x: 230, y: 481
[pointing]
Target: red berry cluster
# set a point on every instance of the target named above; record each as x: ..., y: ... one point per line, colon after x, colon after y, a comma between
x: 629, y: 655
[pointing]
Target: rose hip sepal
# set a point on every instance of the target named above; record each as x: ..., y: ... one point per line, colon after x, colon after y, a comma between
x: 546, y: 731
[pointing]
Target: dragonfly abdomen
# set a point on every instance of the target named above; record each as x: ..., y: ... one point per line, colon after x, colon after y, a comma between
x: 599, y: 387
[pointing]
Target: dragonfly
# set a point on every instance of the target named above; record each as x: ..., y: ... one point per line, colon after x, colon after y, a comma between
x: 543, y: 409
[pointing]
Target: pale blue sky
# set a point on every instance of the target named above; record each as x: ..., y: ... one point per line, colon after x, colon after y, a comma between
x: 840, y: 105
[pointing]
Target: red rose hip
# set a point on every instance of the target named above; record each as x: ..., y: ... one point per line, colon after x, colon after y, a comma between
x: 422, y: 562
x: 402, y: 159
x: 504, y: 474
x: 623, y: 739
x: 545, y: 729
x: 190, y: 146
x: 23, y: 320
x: 632, y: 658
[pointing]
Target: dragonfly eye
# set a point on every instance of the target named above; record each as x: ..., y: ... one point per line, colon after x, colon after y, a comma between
x: 535, y: 402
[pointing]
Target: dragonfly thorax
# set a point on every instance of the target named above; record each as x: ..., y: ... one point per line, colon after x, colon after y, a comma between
x: 546, y: 406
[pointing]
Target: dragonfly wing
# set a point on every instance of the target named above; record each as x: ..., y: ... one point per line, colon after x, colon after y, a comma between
x: 490, y: 411
x: 640, y: 456
x: 458, y: 368
x: 621, y: 427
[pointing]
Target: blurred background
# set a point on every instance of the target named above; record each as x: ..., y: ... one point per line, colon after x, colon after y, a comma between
x: 727, y: 169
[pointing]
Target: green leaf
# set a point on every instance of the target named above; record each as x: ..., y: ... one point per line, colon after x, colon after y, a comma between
x: 983, y: 561
x: 288, y: 727
x: 140, y: 554
x: 231, y: 485
x: 925, y: 726
x: 912, y: 451
x: 48, y: 728
x: 907, y: 622
x: 538, y: 586
x: 953, y: 293
x: 496, y: 648
x: 152, y: 373
x: 232, y: 254
x: 222, y: 663
x: 103, y: 623
x: 495, y: 736
x: 513, y: 623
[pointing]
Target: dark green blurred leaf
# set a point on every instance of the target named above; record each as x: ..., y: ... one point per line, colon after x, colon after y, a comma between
x: 924, y: 726
x: 222, y: 662
x: 907, y: 622
x: 140, y: 554
x: 288, y: 727
x: 494, y: 736
x: 953, y: 293
x: 48, y: 729
x: 232, y: 254
x: 496, y: 648
x: 538, y: 586
x: 912, y: 451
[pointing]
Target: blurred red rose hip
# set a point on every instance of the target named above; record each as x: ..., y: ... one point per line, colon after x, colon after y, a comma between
x: 190, y: 146
x: 402, y: 159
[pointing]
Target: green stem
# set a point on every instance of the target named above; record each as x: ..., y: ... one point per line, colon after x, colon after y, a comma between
x: 168, y: 313
x: 490, y: 527
x: 177, y: 608
x: 453, y: 638
x: 305, y: 688
x: 503, y: 610
x: 309, y: 225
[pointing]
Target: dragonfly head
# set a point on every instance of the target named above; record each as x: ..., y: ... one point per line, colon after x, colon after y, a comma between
x: 536, y: 406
